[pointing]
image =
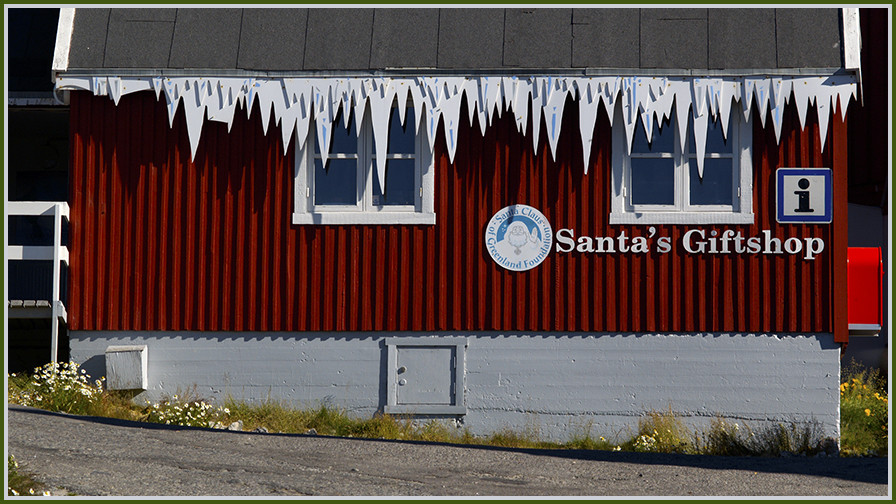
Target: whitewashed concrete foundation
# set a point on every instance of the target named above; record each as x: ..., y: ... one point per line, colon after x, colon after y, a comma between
x: 556, y: 384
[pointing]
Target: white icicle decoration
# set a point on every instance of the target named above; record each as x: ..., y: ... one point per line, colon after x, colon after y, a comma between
x: 450, y: 108
x: 538, y: 102
x: 553, y: 112
x: 324, y: 117
x: 588, y: 105
x: 194, y: 106
x: 296, y: 102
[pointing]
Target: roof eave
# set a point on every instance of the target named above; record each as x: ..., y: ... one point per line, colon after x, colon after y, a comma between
x: 63, y: 41
x: 446, y: 72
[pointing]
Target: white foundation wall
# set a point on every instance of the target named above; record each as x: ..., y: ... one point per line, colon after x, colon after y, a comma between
x: 558, y: 385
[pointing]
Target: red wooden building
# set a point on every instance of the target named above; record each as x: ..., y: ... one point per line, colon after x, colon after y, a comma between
x: 424, y: 211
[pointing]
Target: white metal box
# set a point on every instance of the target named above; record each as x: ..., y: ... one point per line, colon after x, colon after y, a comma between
x: 126, y: 367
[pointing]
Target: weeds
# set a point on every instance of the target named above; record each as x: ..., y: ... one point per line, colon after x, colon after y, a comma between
x: 57, y: 387
x: 21, y: 483
x: 268, y: 414
x: 780, y: 439
x: 783, y: 439
x: 190, y: 413
x: 509, y: 438
x: 589, y: 443
x: 725, y: 438
x: 662, y: 432
x: 66, y: 388
x: 864, y: 418
x: 863, y: 411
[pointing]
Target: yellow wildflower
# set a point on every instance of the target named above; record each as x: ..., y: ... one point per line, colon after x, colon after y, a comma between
x: 867, y: 412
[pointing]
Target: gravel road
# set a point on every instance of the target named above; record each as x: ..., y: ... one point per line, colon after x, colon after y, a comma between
x: 97, y: 456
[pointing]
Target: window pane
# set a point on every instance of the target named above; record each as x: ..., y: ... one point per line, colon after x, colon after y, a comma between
x: 338, y: 184
x: 715, y: 188
x: 401, y: 139
x: 400, y: 184
x: 715, y: 141
x: 662, y: 140
x: 345, y: 141
x: 653, y: 181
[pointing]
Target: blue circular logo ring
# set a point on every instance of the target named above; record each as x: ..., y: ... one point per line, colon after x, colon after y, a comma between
x: 518, y: 237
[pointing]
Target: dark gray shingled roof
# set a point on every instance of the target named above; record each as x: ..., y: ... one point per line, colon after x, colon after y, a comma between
x: 377, y: 39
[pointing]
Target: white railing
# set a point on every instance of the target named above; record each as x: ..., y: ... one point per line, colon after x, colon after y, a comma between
x: 56, y: 253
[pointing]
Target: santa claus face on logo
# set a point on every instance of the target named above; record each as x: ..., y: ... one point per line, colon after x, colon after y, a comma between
x: 517, y: 236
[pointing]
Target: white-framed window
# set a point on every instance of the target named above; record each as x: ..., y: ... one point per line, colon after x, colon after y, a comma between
x: 347, y: 190
x: 658, y: 183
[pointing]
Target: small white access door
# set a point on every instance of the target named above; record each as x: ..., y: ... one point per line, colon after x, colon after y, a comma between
x: 425, y: 375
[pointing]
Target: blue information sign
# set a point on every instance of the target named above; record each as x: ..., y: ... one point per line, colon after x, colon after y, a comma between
x: 804, y: 195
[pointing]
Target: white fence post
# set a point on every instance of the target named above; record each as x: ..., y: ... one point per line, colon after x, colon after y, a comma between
x: 56, y: 302
x: 57, y: 253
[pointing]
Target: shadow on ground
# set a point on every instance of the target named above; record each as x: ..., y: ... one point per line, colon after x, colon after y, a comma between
x: 861, y: 469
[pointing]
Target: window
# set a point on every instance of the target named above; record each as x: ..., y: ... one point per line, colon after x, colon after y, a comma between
x: 658, y: 183
x: 347, y: 190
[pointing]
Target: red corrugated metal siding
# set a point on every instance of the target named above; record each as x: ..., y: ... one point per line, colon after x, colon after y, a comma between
x: 160, y: 243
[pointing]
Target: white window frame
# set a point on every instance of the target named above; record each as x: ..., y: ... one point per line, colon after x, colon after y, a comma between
x: 682, y: 212
x: 364, y: 211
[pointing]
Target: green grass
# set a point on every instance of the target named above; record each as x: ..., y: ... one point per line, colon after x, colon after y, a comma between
x: 774, y: 440
x: 66, y: 389
x: 21, y: 483
x: 863, y: 420
x: 662, y: 432
x: 863, y: 411
x: 726, y: 438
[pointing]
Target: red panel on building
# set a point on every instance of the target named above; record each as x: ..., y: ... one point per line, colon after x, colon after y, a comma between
x: 163, y: 243
x: 865, y: 290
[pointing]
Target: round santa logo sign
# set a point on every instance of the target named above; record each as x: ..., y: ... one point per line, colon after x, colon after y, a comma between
x: 518, y: 237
